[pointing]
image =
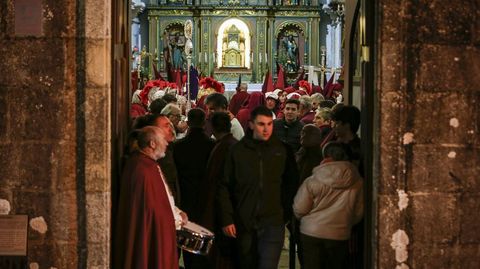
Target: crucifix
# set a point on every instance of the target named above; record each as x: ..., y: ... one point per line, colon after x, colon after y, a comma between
x: 313, y: 71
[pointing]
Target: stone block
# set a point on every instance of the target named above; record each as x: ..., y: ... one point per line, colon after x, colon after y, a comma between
x: 64, y: 165
x: 8, y: 162
x: 392, y: 127
x: 97, y: 63
x: 3, y: 114
x: 33, y: 64
x: 63, y: 221
x: 98, y: 24
x: 427, y: 255
x: 391, y: 171
x: 389, y: 221
x: 444, y: 68
x: 433, y: 218
x: 97, y: 167
x: 444, y: 169
x: 39, y: 115
x: 98, y: 217
x: 438, y: 23
x: 97, y: 111
x: 53, y: 254
x: 476, y: 30
x: 469, y: 218
x: 393, y: 66
x: 394, y: 20
x: 35, y: 167
x: 451, y: 256
x: 59, y: 18
x: 98, y: 256
x: 446, y: 118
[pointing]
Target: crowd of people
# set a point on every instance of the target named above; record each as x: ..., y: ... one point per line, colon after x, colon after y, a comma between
x: 246, y: 169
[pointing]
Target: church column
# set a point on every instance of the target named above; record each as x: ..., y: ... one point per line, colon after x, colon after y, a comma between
x: 204, y: 46
x: 209, y: 50
x: 152, y: 42
x: 323, y: 31
x: 272, y: 44
x: 263, y: 47
x: 315, y: 48
x: 309, y: 44
x: 159, y: 47
x: 196, y: 47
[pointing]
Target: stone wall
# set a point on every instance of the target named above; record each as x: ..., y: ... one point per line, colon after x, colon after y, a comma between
x: 428, y: 86
x: 54, y: 131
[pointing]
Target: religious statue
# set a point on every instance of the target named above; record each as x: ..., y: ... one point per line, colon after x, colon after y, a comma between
x: 292, y: 54
x: 176, y: 51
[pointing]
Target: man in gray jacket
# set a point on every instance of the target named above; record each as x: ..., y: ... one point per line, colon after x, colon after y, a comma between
x: 328, y: 204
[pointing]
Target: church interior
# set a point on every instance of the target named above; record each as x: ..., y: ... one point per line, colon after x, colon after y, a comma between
x: 411, y: 67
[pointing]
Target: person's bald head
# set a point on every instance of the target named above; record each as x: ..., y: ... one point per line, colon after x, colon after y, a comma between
x: 243, y: 87
x: 151, y: 141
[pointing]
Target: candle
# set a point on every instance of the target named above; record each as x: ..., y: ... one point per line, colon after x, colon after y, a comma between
x: 266, y: 57
x: 199, y: 57
x: 213, y: 57
x: 206, y: 60
x: 259, y: 57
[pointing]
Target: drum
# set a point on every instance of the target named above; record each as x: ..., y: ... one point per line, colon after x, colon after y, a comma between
x: 194, y: 238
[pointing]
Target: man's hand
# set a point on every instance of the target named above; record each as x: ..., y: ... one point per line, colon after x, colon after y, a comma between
x: 184, y: 218
x: 230, y: 230
x: 182, y: 126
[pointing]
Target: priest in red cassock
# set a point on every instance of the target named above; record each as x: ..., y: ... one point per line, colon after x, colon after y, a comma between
x: 145, y: 236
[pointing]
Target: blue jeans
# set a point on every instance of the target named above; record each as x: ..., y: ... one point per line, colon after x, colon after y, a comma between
x: 260, y: 248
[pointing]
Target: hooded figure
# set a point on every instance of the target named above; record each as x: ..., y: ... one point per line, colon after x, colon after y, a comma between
x: 254, y: 100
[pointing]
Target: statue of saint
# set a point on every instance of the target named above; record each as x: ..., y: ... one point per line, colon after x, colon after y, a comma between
x: 176, y: 50
x: 292, y: 54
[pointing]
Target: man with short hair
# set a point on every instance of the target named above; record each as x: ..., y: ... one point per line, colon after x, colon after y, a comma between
x: 145, y: 235
x: 217, y: 102
x: 191, y: 155
x: 289, y: 128
x: 222, y: 253
x: 255, y: 196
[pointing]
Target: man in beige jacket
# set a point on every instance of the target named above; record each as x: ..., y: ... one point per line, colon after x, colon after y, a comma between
x: 328, y: 204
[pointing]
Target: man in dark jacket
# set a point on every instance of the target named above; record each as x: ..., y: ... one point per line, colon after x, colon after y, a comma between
x: 191, y: 155
x: 255, y: 196
x: 221, y: 255
x: 289, y: 128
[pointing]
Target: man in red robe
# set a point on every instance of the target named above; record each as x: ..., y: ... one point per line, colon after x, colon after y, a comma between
x: 238, y: 98
x: 145, y: 236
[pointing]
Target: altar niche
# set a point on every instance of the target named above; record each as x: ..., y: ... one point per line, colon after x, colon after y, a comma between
x: 233, y: 45
x: 290, y: 48
x: 173, y: 45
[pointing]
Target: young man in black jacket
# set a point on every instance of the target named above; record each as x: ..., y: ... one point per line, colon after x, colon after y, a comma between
x: 255, y: 197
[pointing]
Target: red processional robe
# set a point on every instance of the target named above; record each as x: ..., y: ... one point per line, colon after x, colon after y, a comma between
x: 145, y: 235
x: 237, y: 101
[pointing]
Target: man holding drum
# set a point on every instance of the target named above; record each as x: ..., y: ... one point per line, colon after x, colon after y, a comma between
x: 145, y: 235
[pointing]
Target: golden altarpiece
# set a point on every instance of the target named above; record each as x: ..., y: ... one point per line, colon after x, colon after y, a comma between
x: 237, y: 37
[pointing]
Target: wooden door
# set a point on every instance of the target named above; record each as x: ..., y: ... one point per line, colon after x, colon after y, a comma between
x: 120, y: 96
